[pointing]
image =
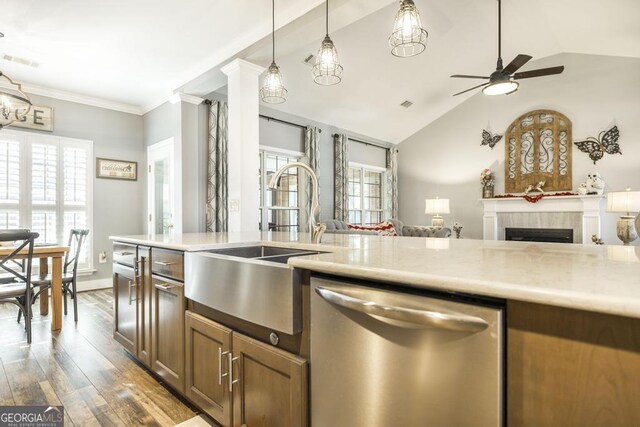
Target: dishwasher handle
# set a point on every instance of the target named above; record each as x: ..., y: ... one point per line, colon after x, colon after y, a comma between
x: 430, y: 318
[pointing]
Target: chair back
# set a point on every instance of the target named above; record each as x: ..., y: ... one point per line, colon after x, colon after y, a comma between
x: 24, y: 240
x: 77, y: 236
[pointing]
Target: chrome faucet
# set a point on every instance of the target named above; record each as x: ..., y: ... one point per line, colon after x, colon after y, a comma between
x: 316, y: 228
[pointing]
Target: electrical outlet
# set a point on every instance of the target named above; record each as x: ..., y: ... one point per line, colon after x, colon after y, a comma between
x: 102, y: 257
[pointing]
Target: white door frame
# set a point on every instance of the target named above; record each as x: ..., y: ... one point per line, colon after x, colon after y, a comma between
x: 175, y: 179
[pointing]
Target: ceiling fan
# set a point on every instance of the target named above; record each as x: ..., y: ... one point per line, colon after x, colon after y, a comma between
x: 503, y: 80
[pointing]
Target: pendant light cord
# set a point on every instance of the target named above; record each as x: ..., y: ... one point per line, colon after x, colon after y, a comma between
x: 499, y: 29
x: 273, y: 30
x: 327, y: 17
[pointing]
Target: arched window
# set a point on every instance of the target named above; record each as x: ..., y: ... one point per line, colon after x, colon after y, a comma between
x: 538, y: 148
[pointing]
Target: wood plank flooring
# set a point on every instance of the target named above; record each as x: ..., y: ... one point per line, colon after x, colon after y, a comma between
x: 82, y: 368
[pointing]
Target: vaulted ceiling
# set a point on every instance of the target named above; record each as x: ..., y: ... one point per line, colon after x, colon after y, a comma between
x: 134, y: 54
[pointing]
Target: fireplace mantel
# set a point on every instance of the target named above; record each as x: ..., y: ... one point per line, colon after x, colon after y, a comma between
x: 589, y: 206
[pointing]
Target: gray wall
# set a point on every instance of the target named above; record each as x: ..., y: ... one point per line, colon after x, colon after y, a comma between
x: 117, y: 205
x: 445, y: 158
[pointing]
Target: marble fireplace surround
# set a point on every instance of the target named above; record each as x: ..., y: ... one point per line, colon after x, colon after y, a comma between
x: 580, y: 213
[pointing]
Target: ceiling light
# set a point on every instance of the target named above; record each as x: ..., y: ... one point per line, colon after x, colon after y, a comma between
x: 14, y: 103
x: 503, y: 87
x: 327, y: 71
x: 408, y: 38
x: 273, y: 90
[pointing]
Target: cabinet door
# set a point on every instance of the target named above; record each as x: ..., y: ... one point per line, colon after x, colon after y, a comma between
x: 207, y: 355
x: 271, y: 385
x: 125, y: 308
x: 143, y: 274
x: 167, y: 343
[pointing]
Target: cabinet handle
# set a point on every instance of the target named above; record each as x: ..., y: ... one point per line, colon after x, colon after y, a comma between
x: 124, y: 253
x: 163, y: 263
x: 221, y: 354
x: 133, y: 284
x: 231, y: 380
x: 164, y: 287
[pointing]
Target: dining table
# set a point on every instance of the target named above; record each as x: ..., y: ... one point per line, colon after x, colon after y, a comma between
x: 46, y: 252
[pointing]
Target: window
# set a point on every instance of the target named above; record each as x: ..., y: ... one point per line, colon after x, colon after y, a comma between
x: 365, y: 194
x: 45, y: 186
x: 279, y: 209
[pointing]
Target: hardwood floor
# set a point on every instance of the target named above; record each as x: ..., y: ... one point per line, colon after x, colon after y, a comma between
x: 82, y: 368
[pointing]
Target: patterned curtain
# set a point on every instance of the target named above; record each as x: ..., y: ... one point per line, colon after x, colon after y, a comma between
x: 341, y: 183
x: 312, y: 158
x: 217, y: 186
x: 391, y: 196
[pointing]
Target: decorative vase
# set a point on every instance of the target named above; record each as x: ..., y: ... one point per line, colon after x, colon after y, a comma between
x: 487, y: 192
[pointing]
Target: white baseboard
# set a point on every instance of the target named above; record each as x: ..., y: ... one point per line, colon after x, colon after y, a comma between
x: 92, y: 285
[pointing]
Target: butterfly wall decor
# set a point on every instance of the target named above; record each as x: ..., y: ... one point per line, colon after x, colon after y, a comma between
x: 490, y: 139
x: 606, y: 142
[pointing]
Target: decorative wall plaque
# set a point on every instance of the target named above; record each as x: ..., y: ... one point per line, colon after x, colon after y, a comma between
x: 39, y: 118
x: 538, y: 148
x: 116, y: 169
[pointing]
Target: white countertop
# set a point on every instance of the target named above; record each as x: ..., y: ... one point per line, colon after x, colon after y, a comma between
x: 595, y: 278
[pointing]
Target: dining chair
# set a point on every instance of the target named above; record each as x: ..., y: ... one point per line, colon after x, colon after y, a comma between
x: 69, y: 279
x: 18, y: 291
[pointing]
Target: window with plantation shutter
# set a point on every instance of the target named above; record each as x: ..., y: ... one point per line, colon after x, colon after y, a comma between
x: 46, y: 186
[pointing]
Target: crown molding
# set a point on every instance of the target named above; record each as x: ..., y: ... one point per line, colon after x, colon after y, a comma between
x: 185, y: 97
x: 77, y: 98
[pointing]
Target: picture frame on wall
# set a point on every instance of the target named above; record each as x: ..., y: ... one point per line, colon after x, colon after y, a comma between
x: 116, y: 169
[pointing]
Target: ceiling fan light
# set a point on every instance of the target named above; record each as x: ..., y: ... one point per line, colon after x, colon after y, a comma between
x: 327, y: 70
x: 273, y: 90
x: 501, y: 88
x: 408, y: 37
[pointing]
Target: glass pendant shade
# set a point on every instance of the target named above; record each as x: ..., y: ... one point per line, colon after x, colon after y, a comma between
x: 408, y: 37
x: 14, y: 103
x: 273, y: 91
x: 504, y: 87
x: 327, y: 70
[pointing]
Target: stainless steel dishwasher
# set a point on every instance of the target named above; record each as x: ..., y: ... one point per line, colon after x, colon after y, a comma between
x: 386, y: 358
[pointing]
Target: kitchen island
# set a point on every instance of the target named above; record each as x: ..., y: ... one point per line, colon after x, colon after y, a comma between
x: 572, y: 311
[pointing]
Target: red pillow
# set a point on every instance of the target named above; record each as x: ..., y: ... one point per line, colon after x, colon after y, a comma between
x: 385, y: 228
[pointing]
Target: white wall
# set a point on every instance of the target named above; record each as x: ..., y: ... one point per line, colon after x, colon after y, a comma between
x: 445, y: 158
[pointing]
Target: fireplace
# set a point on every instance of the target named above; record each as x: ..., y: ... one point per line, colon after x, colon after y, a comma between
x: 554, y: 235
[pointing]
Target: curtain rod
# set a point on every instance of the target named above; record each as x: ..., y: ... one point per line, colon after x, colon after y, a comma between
x: 284, y: 121
x: 374, y: 144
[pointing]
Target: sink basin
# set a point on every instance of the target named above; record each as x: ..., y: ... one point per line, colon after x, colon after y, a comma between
x: 253, y: 283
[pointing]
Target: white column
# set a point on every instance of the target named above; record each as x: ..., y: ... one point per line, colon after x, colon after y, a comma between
x: 243, y: 98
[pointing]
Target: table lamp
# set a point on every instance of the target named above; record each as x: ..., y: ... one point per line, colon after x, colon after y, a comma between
x: 436, y: 207
x: 625, y: 202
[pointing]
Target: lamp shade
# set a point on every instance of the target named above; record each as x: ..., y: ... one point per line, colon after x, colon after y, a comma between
x: 436, y: 206
x: 623, y: 201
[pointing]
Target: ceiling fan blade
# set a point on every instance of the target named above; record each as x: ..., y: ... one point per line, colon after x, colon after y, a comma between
x: 466, y: 76
x: 539, y: 72
x: 475, y: 87
x: 515, y: 65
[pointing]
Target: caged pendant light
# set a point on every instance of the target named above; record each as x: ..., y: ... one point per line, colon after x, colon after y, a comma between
x: 273, y: 90
x: 327, y: 70
x: 408, y: 38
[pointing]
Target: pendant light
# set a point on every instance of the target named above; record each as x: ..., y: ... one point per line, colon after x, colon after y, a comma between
x: 408, y: 38
x: 14, y: 102
x: 327, y: 71
x: 273, y: 90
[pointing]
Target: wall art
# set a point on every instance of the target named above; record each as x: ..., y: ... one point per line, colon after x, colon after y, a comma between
x: 606, y: 142
x: 490, y: 139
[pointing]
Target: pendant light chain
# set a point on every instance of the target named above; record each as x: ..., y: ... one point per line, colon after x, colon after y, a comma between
x: 273, y: 30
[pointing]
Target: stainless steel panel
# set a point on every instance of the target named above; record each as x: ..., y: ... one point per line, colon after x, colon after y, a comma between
x: 376, y: 369
x: 268, y: 294
x: 259, y: 251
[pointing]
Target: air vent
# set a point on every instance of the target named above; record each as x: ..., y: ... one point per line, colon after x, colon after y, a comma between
x: 406, y: 104
x: 21, y: 61
x: 310, y: 60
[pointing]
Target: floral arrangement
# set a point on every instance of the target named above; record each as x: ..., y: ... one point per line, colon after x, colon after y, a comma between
x: 457, y: 228
x: 487, y: 178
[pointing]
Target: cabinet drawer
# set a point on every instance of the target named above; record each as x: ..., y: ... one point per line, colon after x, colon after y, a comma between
x: 124, y: 253
x: 168, y: 263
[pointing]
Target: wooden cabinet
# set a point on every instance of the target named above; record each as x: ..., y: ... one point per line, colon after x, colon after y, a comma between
x: 125, y: 308
x: 208, y: 346
x: 167, y: 326
x: 270, y: 385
